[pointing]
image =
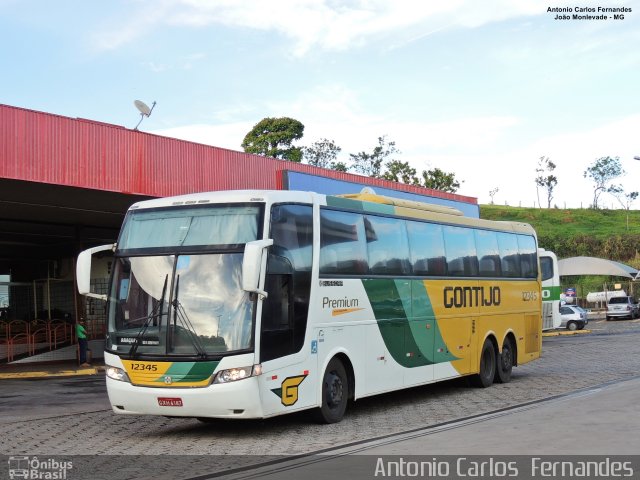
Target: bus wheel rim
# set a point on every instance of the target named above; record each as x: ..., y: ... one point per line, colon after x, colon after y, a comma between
x: 334, y: 390
x: 506, y: 357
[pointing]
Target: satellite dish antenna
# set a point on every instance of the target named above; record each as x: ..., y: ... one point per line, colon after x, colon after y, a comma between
x: 144, y: 110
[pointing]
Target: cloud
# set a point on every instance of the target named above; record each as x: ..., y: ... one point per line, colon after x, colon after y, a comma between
x: 185, y: 63
x: 573, y: 152
x: 157, y: 67
x: 138, y: 23
x: 471, y: 147
x: 333, y: 111
x: 324, y: 24
x: 228, y: 135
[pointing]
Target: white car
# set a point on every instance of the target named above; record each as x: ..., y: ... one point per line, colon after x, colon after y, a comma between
x: 573, y: 318
x: 620, y: 307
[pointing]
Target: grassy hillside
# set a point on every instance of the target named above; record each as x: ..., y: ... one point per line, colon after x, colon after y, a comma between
x: 574, y: 232
x: 572, y: 222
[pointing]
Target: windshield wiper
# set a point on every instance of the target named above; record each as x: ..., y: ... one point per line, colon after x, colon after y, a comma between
x: 179, y: 313
x: 156, y: 312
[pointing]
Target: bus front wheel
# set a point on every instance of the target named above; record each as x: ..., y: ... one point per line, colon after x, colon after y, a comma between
x: 487, y: 372
x: 335, y: 393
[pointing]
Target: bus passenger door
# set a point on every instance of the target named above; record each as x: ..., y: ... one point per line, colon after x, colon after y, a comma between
x: 288, y: 381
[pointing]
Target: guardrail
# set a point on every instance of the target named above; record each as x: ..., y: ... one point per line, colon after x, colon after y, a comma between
x: 18, y: 337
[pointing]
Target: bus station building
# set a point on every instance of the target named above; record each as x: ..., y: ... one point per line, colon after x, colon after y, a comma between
x: 66, y: 184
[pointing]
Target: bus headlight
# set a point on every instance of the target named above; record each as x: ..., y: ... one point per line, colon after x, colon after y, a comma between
x: 116, y: 373
x: 235, y: 374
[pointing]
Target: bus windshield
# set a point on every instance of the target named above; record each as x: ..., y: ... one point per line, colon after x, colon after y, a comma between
x: 176, y: 286
x: 190, y: 305
x: 207, y: 226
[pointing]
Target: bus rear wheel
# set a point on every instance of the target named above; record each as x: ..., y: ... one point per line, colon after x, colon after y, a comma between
x: 505, y: 362
x: 335, y: 393
x: 487, y: 372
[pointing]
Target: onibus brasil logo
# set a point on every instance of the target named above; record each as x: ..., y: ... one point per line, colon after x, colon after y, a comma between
x: 34, y: 468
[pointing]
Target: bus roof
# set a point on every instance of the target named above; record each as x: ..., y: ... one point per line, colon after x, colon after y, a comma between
x: 364, y: 201
x: 372, y: 203
x: 430, y: 207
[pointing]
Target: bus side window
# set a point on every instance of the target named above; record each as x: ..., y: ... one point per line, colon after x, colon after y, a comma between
x: 509, y: 254
x: 460, y: 246
x: 427, y: 248
x: 387, y: 245
x: 488, y: 253
x: 329, y: 262
x: 276, y: 314
x: 288, y: 281
x: 528, y: 252
x: 342, y: 234
x: 546, y: 265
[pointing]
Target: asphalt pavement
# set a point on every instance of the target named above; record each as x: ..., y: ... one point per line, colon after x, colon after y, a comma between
x: 580, y: 397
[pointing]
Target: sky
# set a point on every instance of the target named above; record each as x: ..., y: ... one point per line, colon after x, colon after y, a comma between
x: 482, y: 89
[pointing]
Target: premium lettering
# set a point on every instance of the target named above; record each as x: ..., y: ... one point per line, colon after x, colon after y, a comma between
x: 339, y: 303
x: 469, y: 297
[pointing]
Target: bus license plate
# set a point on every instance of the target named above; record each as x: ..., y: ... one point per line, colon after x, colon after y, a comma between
x: 169, y: 402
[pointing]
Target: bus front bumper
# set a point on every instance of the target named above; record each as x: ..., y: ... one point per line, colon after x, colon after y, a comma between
x: 240, y: 399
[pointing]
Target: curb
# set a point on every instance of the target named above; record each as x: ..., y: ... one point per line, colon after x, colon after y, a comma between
x: 46, y: 374
x: 565, y: 332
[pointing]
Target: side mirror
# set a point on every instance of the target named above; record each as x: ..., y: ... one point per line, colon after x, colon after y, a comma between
x: 83, y: 271
x: 253, y: 264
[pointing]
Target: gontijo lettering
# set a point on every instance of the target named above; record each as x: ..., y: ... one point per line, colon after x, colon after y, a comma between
x: 465, y: 297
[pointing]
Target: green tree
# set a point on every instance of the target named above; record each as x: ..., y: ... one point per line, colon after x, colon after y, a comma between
x: 546, y: 179
x: 339, y: 167
x: 323, y: 153
x: 601, y: 172
x: 401, y: 172
x: 370, y: 164
x: 273, y: 137
x: 624, y: 199
x: 440, y: 180
x: 492, y: 193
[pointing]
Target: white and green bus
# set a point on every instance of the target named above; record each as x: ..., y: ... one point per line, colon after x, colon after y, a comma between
x: 251, y: 304
x: 550, y: 274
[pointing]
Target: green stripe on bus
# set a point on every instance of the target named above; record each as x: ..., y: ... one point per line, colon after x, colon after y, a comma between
x: 406, y: 321
x: 390, y: 315
x: 190, y: 371
x: 551, y: 293
x: 424, y: 326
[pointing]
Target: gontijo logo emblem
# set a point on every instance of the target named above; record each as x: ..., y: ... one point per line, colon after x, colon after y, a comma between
x: 288, y: 391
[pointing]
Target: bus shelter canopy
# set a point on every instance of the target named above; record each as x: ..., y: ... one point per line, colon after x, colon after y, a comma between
x: 595, y: 266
